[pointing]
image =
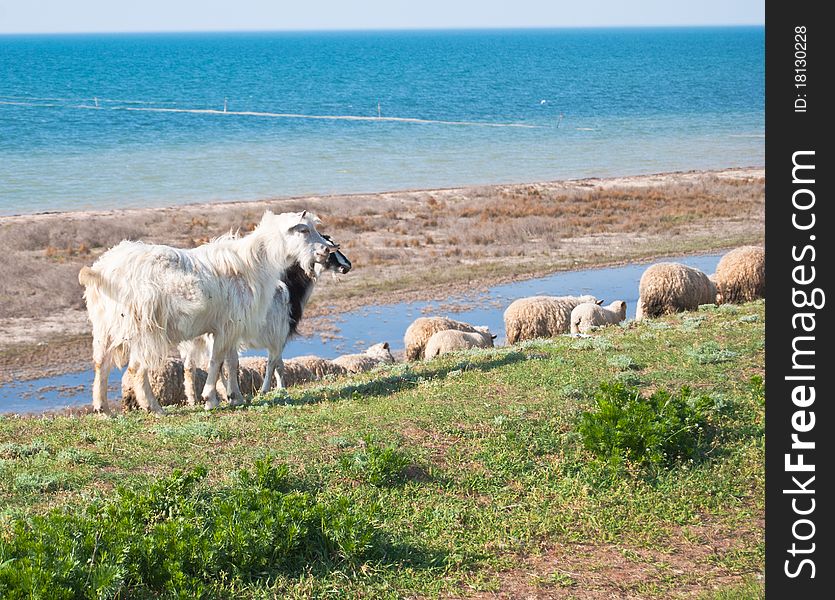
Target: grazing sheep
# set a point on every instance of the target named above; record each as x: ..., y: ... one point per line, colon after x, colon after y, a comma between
x: 303, y: 369
x: 450, y: 340
x: 377, y: 354
x: 541, y: 316
x: 740, y: 275
x: 590, y: 314
x: 291, y: 295
x: 166, y: 384
x: 672, y: 287
x: 143, y: 299
x: 419, y: 332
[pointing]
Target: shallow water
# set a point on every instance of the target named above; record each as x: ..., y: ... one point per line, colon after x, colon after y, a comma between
x: 385, y: 323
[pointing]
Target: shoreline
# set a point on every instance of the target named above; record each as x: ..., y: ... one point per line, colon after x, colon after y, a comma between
x: 604, y: 182
x: 406, y: 246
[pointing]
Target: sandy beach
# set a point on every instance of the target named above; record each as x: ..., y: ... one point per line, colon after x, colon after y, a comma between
x: 404, y: 245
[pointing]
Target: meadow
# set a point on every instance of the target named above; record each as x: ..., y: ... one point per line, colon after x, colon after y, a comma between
x: 625, y: 464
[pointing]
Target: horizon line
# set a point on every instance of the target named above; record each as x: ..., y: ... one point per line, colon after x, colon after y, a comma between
x: 386, y: 29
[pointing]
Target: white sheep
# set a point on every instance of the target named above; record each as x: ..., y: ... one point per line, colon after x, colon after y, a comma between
x: 166, y: 384
x: 377, y: 354
x: 540, y: 316
x: 667, y: 288
x: 740, y: 275
x: 304, y: 369
x: 590, y: 314
x: 419, y: 332
x: 143, y: 299
x: 451, y: 340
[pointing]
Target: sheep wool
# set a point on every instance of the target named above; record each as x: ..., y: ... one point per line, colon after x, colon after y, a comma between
x: 377, y: 354
x: 667, y: 288
x: 309, y: 368
x: 450, y: 340
x: 540, y: 316
x: 740, y: 275
x: 166, y: 383
x: 589, y: 314
x: 423, y: 328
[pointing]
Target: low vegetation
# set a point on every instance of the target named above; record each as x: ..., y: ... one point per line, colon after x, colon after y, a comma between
x: 545, y: 469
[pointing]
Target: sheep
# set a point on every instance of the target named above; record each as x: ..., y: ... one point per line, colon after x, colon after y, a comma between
x: 450, y: 340
x: 304, y: 369
x: 291, y: 294
x: 590, y: 314
x: 357, y: 363
x: 143, y: 299
x: 166, y: 384
x: 419, y: 332
x: 740, y: 275
x: 540, y: 316
x: 672, y: 287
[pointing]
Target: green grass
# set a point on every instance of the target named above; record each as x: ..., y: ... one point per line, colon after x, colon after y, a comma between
x: 428, y: 479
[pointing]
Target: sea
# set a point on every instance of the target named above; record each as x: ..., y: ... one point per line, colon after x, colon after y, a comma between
x: 134, y: 120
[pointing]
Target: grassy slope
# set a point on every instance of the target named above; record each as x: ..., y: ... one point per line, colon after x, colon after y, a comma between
x: 499, y: 493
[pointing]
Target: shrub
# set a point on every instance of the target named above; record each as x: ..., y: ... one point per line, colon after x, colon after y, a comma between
x: 377, y: 465
x: 178, y: 537
x: 711, y: 353
x: 651, y: 432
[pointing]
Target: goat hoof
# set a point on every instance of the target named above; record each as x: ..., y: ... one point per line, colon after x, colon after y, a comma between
x: 211, y: 404
x: 236, y: 400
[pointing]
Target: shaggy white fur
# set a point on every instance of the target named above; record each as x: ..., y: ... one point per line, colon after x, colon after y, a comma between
x: 292, y: 293
x: 142, y: 299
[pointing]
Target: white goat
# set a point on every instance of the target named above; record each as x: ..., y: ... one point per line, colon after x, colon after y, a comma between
x: 142, y: 299
x: 291, y: 294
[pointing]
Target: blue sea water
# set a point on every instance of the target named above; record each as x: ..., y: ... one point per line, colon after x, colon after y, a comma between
x: 109, y: 121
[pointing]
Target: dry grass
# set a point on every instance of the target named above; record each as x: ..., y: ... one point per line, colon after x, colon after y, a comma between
x: 411, y: 240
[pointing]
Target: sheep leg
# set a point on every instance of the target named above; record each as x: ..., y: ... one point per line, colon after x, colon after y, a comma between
x: 233, y: 386
x: 142, y: 389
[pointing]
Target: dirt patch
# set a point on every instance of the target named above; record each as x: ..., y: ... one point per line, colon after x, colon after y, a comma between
x: 686, y: 568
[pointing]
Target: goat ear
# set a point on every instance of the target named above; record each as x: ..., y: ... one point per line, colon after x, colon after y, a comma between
x: 385, y: 345
x: 494, y: 336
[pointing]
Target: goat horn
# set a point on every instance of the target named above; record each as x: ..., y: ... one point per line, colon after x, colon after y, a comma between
x: 304, y: 212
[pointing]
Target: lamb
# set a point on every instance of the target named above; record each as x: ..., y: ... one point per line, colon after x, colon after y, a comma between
x: 377, y: 354
x: 541, y: 316
x: 291, y: 295
x: 740, y: 275
x: 143, y: 299
x: 450, y: 340
x: 419, y: 332
x: 672, y: 287
x: 589, y: 314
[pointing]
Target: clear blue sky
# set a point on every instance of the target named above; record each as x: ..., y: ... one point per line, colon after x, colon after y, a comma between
x: 50, y: 16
